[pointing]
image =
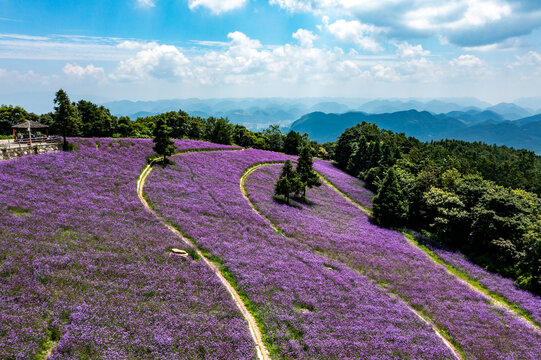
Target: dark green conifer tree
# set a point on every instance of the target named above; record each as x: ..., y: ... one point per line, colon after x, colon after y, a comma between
x: 163, y: 145
x: 288, y: 182
x: 66, y: 118
x: 305, y: 169
x: 390, y: 205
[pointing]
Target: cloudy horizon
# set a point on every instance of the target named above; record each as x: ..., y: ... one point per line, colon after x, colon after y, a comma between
x: 158, y: 49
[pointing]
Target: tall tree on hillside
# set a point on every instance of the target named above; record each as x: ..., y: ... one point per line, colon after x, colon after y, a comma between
x: 293, y: 142
x: 163, y: 145
x: 288, y: 182
x: 66, y: 118
x: 305, y: 169
x: 390, y: 205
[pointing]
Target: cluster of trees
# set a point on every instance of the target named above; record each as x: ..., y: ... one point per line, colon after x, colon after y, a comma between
x: 86, y: 119
x: 296, y: 181
x: 459, y: 192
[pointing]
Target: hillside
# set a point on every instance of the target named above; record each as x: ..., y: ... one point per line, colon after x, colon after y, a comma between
x: 80, y: 255
x: 485, y: 126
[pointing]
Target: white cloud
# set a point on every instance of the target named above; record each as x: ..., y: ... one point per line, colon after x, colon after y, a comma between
x: 468, y: 61
x: 355, y: 32
x: 532, y: 58
x: 158, y: 61
x: 216, y: 6
x: 305, y: 37
x: 146, y: 3
x: 405, y: 50
x: 77, y: 71
x: 462, y: 22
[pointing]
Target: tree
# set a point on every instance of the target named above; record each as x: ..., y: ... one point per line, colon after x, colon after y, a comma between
x: 163, y: 145
x: 274, y: 138
x: 305, y: 169
x: 124, y: 126
x: 66, y: 118
x: 390, y: 205
x: 288, y: 182
x: 293, y: 142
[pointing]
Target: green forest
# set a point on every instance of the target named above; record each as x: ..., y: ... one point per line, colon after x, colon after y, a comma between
x: 480, y: 199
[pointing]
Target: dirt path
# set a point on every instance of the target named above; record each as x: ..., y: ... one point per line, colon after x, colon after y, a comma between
x: 261, y: 350
x: 438, y: 261
x: 427, y: 321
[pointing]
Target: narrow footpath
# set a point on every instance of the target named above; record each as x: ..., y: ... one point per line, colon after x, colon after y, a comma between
x: 436, y: 260
x: 261, y: 350
x: 427, y: 321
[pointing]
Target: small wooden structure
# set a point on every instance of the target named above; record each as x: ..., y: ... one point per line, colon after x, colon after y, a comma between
x: 27, y: 127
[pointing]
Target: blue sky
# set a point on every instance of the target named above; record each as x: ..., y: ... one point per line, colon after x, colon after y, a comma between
x: 155, y: 49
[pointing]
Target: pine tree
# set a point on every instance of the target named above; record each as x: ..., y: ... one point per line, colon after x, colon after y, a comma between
x: 390, y: 205
x: 163, y: 145
x: 288, y: 182
x: 305, y: 169
x: 359, y: 160
x: 66, y: 118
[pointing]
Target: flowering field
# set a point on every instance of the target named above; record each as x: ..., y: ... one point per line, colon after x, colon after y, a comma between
x: 494, y: 282
x: 85, y: 270
x: 308, y: 306
x: 342, y: 232
x: 504, y: 287
x: 350, y: 185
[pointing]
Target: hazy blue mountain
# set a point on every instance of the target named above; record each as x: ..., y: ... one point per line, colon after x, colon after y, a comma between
x: 507, y: 133
x: 470, y: 126
x: 329, y: 107
x: 423, y: 125
x: 530, y: 119
x: 510, y: 111
x: 437, y: 106
x: 474, y: 116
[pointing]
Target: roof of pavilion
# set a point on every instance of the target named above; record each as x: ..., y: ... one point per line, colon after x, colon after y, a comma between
x: 33, y: 125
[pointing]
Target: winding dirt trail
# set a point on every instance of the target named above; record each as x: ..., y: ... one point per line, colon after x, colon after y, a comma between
x: 427, y: 321
x: 432, y: 257
x: 261, y: 350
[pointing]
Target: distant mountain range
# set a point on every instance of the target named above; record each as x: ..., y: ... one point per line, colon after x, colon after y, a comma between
x: 472, y: 125
x: 259, y: 113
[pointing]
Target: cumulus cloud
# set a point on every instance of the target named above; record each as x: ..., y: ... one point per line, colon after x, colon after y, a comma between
x: 532, y: 58
x: 157, y: 61
x: 146, y: 3
x: 405, y: 50
x: 216, y: 6
x: 462, y: 22
x: 468, y: 61
x: 305, y: 37
x: 77, y: 71
x: 355, y: 32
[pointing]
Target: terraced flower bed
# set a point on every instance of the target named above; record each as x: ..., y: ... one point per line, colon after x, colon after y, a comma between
x: 494, y: 282
x: 309, y: 307
x: 343, y: 232
x: 350, y: 185
x: 85, y: 271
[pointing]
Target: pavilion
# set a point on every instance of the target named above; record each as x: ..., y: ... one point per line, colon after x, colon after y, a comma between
x: 28, y: 126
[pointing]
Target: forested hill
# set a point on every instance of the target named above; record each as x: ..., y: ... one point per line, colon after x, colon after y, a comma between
x: 478, y: 198
x: 486, y: 126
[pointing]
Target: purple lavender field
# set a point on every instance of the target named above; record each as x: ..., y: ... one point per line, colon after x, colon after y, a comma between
x: 309, y: 307
x: 494, y: 282
x: 85, y: 271
x: 350, y: 185
x: 343, y: 233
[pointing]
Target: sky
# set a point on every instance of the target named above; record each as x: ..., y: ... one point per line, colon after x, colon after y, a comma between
x: 165, y: 49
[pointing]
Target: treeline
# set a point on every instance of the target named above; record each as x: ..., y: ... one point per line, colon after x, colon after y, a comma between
x: 474, y: 197
x: 86, y: 119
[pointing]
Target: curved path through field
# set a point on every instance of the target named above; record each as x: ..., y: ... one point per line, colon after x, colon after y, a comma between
x: 427, y: 321
x: 261, y: 350
x: 463, y: 278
